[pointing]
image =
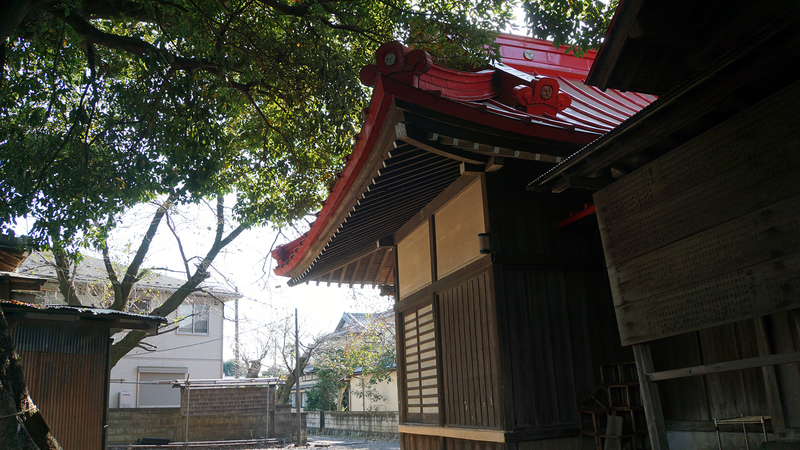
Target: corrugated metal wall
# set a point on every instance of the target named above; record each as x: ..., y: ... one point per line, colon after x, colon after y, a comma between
x: 65, y: 369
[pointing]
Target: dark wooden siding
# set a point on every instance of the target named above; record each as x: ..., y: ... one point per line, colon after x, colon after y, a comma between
x: 727, y: 394
x: 708, y: 233
x: 702, y: 246
x: 419, y: 442
x: 471, y: 382
x: 555, y: 314
x: 554, y: 341
x: 461, y: 444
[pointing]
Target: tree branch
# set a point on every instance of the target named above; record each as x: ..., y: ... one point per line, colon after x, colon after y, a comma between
x: 132, y: 274
x: 134, y: 46
x: 112, y: 274
x: 65, y: 282
x: 171, y: 227
x: 132, y: 339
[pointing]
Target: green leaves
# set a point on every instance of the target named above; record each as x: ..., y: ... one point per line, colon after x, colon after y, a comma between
x: 108, y: 104
x: 578, y: 24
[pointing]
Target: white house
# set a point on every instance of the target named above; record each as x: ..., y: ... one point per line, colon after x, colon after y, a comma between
x: 190, y: 346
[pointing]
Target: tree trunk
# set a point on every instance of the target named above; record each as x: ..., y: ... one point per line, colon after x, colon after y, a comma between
x: 65, y: 282
x: 253, y: 369
x: 282, y: 396
x: 284, y: 393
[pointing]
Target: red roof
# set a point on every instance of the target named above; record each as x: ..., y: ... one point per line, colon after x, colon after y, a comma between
x: 536, y: 92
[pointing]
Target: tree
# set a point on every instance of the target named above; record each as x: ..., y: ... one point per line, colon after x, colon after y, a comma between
x: 229, y: 368
x: 368, y: 348
x: 105, y: 104
x: 291, y: 362
x: 122, y: 284
x: 324, y: 395
x: 108, y: 104
x: 578, y: 24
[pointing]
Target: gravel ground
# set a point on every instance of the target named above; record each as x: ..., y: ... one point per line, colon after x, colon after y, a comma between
x: 326, y: 443
x: 345, y: 443
x: 314, y: 442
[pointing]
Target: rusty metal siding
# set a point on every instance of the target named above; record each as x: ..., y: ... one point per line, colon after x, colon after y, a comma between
x: 65, y: 369
x: 77, y: 337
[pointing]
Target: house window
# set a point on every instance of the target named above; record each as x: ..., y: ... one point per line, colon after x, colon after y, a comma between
x: 193, y: 319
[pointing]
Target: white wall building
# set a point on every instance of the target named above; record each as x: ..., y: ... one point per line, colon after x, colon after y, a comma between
x: 192, y: 343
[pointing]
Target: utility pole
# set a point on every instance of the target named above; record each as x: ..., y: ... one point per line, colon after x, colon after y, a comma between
x: 299, y: 407
x: 236, y: 339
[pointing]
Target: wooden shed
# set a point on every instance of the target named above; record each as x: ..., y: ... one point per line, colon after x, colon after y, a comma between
x: 503, y: 315
x: 699, y: 212
x: 64, y: 352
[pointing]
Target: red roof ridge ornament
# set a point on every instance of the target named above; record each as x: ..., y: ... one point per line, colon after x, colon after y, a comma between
x: 397, y: 61
x: 542, y: 96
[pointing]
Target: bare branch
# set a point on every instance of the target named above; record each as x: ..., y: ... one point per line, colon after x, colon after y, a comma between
x: 132, y: 274
x: 171, y: 227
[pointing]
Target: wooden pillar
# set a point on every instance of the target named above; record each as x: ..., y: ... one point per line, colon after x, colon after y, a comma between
x: 770, y: 379
x: 5, y: 289
x: 651, y: 399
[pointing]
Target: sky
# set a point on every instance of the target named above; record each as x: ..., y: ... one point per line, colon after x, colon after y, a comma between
x: 241, y: 267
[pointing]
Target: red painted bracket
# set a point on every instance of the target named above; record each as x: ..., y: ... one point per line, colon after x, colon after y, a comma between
x: 574, y: 217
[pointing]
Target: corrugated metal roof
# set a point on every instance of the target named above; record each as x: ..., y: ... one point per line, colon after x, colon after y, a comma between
x: 80, y: 311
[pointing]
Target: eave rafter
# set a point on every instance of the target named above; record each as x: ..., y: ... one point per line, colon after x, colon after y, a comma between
x: 362, y: 271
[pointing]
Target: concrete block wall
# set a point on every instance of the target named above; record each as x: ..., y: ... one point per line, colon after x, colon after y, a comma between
x: 127, y: 425
x: 358, y: 423
x: 229, y: 400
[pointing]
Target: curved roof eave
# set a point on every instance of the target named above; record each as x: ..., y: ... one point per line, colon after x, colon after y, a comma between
x: 460, y: 95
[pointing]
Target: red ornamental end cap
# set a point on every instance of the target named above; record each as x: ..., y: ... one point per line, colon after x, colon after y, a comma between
x: 278, y: 254
x: 369, y: 75
x: 542, y: 96
x: 396, y: 60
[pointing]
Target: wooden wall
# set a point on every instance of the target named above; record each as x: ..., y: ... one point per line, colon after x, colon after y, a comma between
x: 554, y: 307
x: 710, y: 232
x: 458, y: 224
x: 550, y: 334
x: 418, y: 442
x: 470, y: 360
x: 520, y: 334
x: 732, y: 393
x: 703, y: 253
x: 414, y: 260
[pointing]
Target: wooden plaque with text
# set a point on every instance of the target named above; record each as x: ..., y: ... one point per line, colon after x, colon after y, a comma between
x: 710, y: 232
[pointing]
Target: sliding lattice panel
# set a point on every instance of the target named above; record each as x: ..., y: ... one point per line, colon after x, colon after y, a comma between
x: 422, y: 392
